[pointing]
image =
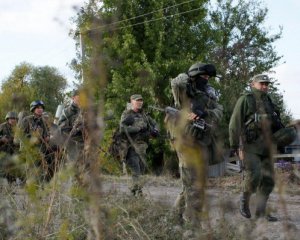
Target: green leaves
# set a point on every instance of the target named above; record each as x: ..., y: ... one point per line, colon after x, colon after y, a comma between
x: 27, y: 83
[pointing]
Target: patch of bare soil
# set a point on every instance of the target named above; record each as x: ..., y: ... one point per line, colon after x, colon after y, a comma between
x: 223, y: 201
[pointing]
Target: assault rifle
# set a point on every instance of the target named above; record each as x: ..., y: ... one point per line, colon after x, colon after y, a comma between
x: 173, y: 112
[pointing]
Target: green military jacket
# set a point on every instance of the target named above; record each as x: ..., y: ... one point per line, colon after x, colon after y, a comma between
x: 71, y: 122
x: 6, y: 131
x: 252, y: 123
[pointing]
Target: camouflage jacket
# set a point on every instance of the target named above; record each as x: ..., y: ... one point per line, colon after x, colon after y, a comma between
x: 71, y: 122
x: 6, y: 138
x: 253, y: 121
x: 34, y: 126
x: 137, y: 125
x: 190, y: 99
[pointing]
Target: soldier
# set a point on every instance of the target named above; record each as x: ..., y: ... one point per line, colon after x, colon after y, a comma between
x: 255, y: 128
x: 52, y: 153
x: 194, y: 136
x: 72, y: 126
x: 6, y: 133
x: 136, y: 128
x: 35, y: 128
x: 7, y: 146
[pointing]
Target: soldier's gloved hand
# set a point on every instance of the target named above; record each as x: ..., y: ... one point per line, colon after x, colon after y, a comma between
x: 154, y: 132
x: 143, y: 129
x: 200, y: 113
x: 128, y: 121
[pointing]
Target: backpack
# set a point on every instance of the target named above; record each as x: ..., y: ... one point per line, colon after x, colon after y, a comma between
x: 118, y: 147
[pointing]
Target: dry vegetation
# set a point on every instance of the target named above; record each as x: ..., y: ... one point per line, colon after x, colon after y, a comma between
x: 61, y: 210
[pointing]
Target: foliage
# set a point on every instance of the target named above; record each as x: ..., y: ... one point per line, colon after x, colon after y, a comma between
x: 144, y: 45
x: 15, y: 90
x: 142, y: 53
x: 28, y: 83
x: 49, y: 85
x: 58, y: 210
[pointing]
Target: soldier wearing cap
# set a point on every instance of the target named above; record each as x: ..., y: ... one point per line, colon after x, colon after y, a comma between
x: 136, y: 128
x: 72, y: 127
x: 255, y: 128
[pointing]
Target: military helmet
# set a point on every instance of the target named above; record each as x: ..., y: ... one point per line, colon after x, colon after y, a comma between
x: 285, y: 136
x: 202, y: 69
x: 35, y: 104
x: 11, y: 115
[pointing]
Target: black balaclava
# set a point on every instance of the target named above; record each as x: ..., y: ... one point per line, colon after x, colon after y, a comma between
x: 201, y: 83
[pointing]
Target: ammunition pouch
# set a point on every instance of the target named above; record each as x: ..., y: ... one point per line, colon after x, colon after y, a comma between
x: 276, y: 123
x: 252, y: 132
x: 194, y: 131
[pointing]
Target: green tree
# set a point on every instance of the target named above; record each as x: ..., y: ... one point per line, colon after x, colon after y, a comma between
x: 48, y: 85
x: 15, y: 90
x: 145, y: 43
x: 28, y: 83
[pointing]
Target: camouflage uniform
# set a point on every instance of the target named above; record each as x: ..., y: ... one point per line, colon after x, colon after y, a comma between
x: 6, y: 131
x: 35, y: 127
x: 252, y: 126
x: 136, y: 128
x: 7, y: 148
x: 196, y: 148
x: 71, y: 125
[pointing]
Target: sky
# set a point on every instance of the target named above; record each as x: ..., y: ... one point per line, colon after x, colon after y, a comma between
x: 36, y: 31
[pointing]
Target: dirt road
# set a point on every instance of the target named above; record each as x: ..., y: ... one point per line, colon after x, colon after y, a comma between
x: 223, y: 206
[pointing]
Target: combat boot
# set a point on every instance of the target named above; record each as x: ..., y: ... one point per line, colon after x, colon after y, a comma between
x: 261, y: 209
x: 244, y: 205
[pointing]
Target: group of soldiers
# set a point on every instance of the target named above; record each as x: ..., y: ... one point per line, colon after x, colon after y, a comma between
x: 255, y: 131
x: 36, y: 131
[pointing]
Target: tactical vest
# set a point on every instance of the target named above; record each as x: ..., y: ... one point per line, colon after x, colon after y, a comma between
x: 263, y: 117
x: 7, y: 132
x: 203, y: 101
x: 38, y: 126
x: 141, y: 121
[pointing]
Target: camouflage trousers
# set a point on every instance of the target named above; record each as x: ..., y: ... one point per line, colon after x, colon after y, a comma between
x: 75, y: 151
x: 189, y: 203
x: 258, y: 174
x: 135, y: 160
x: 76, y: 158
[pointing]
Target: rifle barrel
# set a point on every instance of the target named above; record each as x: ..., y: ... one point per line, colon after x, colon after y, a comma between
x: 157, y: 108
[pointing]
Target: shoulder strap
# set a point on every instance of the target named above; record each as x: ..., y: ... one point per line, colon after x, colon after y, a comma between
x: 252, y: 101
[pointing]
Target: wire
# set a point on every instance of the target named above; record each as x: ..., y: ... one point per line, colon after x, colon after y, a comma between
x: 146, y: 14
x: 152, y: 20
x: 157, y: 19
